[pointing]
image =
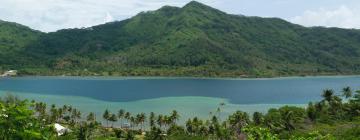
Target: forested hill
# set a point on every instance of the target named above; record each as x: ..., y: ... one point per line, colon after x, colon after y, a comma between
x: 13, y: 40
x: 195, y: 40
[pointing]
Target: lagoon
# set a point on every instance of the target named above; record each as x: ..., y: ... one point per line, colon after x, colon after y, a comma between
x: 190, y: 96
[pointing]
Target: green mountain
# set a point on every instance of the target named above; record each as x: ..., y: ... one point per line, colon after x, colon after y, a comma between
x: 195, y: 40
x: 13, y: 40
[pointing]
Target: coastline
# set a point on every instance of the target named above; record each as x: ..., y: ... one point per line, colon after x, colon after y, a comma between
x: 179, y: 77
x: 162, y: 105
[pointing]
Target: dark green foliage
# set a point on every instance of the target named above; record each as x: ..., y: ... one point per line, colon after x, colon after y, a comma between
x: 13, y: 41
x: 119, y: 133
x: 291, y: 116
x: 130, y: 135
x: 258, y: 118
x: 311, y: 112
x: 195, y: 40
x: 17, y: 122
x: 155, y: 134
x: 352, y: 134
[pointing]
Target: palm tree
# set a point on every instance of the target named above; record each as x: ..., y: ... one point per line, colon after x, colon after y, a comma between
x: 166, y: 121
x: 174, y: 116
x: 328, y: 94
x: 75, y: 115
x: 78, y: 115
x: 53, y: 113
x: 121, y: 115
x: 91, y: 117
x: 238, y: 120
x: 70, y: 108
x: 214, y: 120
x: 106, y: 116
x: 113, y: 118
x: 288, y: 117
x: 196, y: 124
x: 160, y: 120
x: 347, y: 92
x: 189, y: 126
x: 41, y: 109
x: 60, y: 112
x: 142, y: 118
x: 152, y: 119
x: 127, y: 116
x: 132, y: 122
x: 65, y: 108
x: 137, y: 119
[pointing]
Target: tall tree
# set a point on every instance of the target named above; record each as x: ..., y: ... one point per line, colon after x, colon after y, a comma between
x: 160, y: 120
x: 106, y: 117
x: 311, y: 112
x: 91, y: 117
x: 258, y: 118
x: 174, y: 116
x: 239, y: 120
x: 347, y: 92
x: 142, y: 119
x: 127, y: 116
x: 53, y: 113
x: 121, y: 114
x: 152, y: 119
x: 328, y: 95
x: 113, y: 119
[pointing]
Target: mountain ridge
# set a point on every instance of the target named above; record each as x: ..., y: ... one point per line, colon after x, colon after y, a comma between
x: 195, y: 40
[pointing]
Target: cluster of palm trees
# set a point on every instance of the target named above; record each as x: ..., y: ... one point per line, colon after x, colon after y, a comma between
x: 65, y: 114
x: 164, y: 121
x: 334, y: 107
x: 126, y: 119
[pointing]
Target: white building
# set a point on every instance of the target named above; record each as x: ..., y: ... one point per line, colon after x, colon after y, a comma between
x: 61, y: 130
x: 10, y: 73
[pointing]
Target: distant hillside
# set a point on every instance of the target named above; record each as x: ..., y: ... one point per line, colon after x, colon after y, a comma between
x: 13, y: 40
x: 195, y: 40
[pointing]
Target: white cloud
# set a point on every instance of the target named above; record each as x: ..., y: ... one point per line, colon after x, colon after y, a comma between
x: 108, y: 18
x: 343, y: 17
x: 52, y: 15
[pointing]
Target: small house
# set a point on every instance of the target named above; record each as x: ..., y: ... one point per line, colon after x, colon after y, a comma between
x: 61, y: 130
x: 10, y: 73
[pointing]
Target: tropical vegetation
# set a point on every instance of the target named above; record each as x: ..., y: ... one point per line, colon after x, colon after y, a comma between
x: 195, y: 40
x: 336, y: 116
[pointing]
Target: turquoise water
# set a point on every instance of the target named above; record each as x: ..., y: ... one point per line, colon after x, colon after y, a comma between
x: 190, y: 97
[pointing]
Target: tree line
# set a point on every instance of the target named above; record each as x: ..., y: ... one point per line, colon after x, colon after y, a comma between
x: 336, y: 116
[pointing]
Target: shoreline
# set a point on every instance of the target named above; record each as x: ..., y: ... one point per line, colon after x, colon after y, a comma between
x: 163, y: 105
x: 178, y: 77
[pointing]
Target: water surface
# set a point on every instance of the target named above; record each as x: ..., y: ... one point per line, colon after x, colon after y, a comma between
x: 191, y: 97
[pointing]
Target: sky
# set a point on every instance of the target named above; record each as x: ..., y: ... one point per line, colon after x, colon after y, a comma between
x: 52, y: 15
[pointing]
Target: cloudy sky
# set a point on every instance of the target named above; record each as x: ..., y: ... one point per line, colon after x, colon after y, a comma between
x: 52, y: 15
